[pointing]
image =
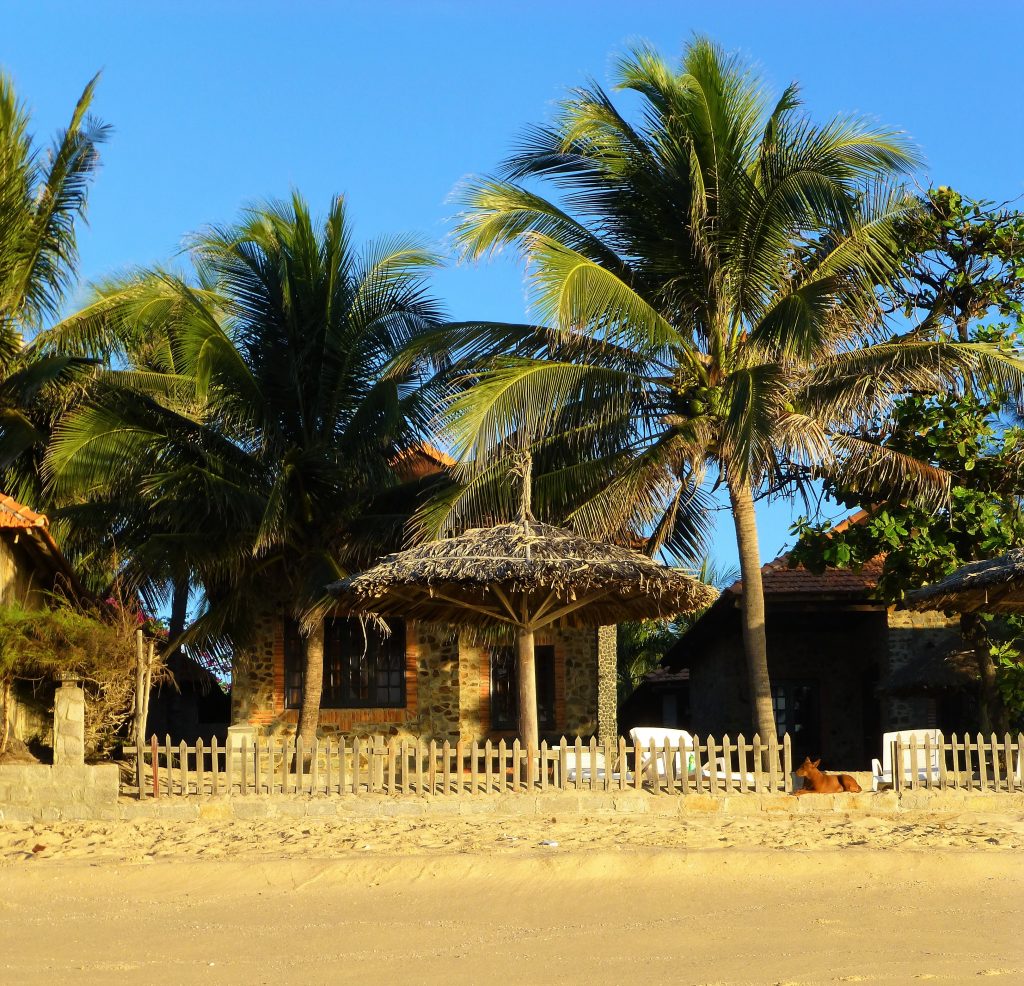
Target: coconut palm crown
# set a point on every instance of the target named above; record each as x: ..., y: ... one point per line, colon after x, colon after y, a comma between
x: 257, y: 422
x: 706, y: 283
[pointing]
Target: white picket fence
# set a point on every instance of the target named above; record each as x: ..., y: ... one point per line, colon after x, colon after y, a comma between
x: 378, y: 765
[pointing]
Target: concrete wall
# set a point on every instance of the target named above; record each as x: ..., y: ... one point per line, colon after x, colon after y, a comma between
x: 34, y: 793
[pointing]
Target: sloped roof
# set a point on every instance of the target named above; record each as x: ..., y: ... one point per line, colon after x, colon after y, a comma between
x: 14, y: 514
x: 17, y: 517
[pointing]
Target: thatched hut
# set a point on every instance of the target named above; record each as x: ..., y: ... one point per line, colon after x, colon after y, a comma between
x: 995, y: 585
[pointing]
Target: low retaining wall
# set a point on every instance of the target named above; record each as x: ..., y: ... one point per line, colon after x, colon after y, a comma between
x: 32, y: 793
x: 597, y: 804
x: 39, y: 793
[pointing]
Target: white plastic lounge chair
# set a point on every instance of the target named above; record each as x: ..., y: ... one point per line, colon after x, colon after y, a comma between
x: 680, y: 740
x: 584, y: 768
x: 882, y: 773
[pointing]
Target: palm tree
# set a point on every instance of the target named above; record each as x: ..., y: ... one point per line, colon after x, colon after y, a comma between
x: 264, y: 428
x: 43, y: 193
x: 707, y: 297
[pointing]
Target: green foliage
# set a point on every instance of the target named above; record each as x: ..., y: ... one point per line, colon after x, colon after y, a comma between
x: 250, y: 442
x: 43, y: 194
x: 964, y: 278
x: 42, y: 645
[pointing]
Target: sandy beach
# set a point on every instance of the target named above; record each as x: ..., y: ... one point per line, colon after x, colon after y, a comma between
x: 716, y: 900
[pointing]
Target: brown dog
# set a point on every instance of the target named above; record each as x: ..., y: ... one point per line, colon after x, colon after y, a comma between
x: 815, y: 782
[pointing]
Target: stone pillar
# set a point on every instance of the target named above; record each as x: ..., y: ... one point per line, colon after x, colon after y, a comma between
x: 607, y: 685
x: 69, y: 726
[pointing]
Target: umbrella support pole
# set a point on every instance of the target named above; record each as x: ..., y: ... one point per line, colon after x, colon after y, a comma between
x: 527, y: 674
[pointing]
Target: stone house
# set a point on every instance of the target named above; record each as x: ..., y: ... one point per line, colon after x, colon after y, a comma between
x: 835, y: 656
x: 421, y: 681
x: 424, y: 682
x: 32, y: 568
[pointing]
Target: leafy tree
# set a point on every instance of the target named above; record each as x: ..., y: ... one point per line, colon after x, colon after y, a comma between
x: 964, y: 280
x: 263, y: 436
x: 707, y: 288
x: 43, y: 195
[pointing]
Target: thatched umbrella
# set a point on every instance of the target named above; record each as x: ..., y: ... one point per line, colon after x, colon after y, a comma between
x: 995, y: 585
x: 524, y: 575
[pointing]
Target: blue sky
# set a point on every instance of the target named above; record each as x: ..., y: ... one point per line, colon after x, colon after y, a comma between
x: 219, y: 104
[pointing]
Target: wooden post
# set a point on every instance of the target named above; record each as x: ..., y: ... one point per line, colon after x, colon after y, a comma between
x: 621, y: 763
x: 446, y: 768
x: 996, y: 772
x: 342, y: 764
x: 741, y: 758
x: 474, y: 776
x: 713, y: 764
x: 488, y: 767
x: 773, y: 764
x: 183, y: 766
x: 1008, y: 751
x: 968, y: 766
x: 758, y: 764
x: 460, y: 762
x: 529, y: 732
x: 787, y: 764
x: 592, y: 754
x: 982, y: 765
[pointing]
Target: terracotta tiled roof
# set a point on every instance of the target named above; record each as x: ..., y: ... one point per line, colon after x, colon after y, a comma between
x: 781, y: 580
x: 421, y: 460
x: 14, y: 514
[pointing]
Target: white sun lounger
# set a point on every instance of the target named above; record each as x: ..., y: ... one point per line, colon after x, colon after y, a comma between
x: 681, y: 741
x: 882, y: 772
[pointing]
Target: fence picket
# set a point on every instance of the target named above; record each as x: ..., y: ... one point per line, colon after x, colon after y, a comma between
x: 787, y: 764
x: 446, y: 768
x: 773, y: 763
x: 543, y: 765
x: 941, y: 759
x: 655, y: 767
x: 758, y: 764
x: 713, y: 765
x: 741, y: 761
x: 670, y: 767
x: 915, y: 772
x: 1008, y: 754
x: 726, y: 759
x: 488, y: 767
x: 183, y: 767
x: 621, y: 764
x: 155, y: 754
x: 997, y: 774
x: 698, y: 768
x: 982, y: 764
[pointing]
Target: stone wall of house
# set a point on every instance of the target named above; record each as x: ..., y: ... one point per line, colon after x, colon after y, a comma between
x: 910, y: 633
x: 447, y: 688
x: 581, y: 685
x: 254, y: 676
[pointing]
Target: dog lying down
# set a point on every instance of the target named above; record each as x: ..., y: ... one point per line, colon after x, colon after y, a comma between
x: 816, y: 782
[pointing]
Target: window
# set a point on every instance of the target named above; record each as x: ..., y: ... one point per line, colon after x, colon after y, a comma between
x: 505, y: 688
x: 363, y: 668
x: 796, y: 712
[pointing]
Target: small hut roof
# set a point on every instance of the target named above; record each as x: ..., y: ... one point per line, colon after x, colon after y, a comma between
x: 931, y: 671
x: 440, y: 581
x: 995, y: 585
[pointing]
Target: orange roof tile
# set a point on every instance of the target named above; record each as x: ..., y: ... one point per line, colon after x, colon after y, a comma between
x: 14, y: 514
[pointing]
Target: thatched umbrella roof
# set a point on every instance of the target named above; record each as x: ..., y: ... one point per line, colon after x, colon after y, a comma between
x: 992, y: 586
x: 526, y: 574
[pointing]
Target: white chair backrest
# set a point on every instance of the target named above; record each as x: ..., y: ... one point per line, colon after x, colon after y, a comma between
x: 911, y: 737
x: 642, y: 736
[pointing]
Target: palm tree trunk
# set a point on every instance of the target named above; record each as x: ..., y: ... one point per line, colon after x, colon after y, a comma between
x: 313, y: 684
x: 755, y: 642
x: 528, y: 731
x: 991, y: 713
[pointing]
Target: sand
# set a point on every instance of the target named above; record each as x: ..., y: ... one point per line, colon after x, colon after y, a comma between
x: 723, y: 900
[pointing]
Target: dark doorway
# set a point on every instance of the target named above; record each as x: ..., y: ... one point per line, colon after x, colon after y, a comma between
x: 797, y: 712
